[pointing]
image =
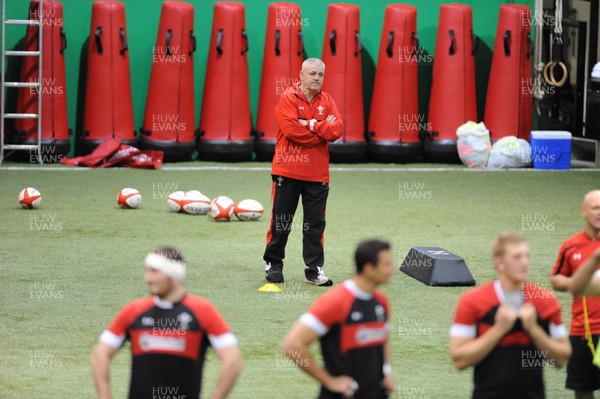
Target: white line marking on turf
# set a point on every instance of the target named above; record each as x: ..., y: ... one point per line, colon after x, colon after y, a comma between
x: 40, y: 168
x: 220, y: 168
x: 268, y: 169
x: 371, y: 169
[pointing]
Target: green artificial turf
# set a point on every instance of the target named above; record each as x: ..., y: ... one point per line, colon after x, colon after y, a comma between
x: 69, y: 266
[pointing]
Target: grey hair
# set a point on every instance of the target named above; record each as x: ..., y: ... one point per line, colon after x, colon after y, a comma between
x: 313, y: 61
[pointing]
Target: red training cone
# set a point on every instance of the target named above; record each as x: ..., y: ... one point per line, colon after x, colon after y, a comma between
x: 225, y: 123
x: 169, y: 119
x: 453, y: 97
x: 282, y: 62
x: 53, y: 90
x: 108, y: 109
x: 394, y: 120
x: 342, y: 50
x: 509, y: 103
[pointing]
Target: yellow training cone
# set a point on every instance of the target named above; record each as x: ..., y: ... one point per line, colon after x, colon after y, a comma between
x: 269, y: 287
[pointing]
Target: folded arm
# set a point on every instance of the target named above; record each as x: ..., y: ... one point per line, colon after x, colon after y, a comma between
x: 291, y: 127
x: 584, y: 282
x: 332, y: 127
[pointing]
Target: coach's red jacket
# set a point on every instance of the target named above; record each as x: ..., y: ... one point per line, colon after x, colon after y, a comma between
x: 302, y: 153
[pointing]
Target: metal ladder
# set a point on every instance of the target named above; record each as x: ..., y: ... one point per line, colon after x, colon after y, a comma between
x: 37, y: 148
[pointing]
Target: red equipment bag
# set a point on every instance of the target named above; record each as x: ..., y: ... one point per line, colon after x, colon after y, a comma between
x: 112, y: 153
x: 102, y: 151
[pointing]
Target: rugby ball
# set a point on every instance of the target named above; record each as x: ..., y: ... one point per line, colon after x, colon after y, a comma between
x: 221, y: 208
x: 30, y: 198
x: 195, y: 203
x: 175, y: 201
x: 248, y: 209
x: 129, y: 198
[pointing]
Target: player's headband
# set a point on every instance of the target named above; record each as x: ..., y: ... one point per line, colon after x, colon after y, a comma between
x: 172, y: 268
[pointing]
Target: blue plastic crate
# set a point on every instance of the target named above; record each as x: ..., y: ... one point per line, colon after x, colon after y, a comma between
x: 551, y: 149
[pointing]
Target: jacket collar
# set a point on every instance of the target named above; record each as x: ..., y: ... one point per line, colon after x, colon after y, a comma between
x: 300, y: 94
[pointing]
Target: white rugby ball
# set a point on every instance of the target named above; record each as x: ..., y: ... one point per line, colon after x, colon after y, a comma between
x: 221, y: 208
x: 174, y: 201
x: 248, y: 209
x: 129, y: 198
x: 195, y: 203
x: 30, y: 198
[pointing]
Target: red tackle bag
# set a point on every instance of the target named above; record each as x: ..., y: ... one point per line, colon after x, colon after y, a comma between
x: 453, y: 98
x: 342, y: 50
x: 282, y: 62
x: 394, y: 120
x: 169, y: 124
x: 225, y: 121
x: 108, y: 111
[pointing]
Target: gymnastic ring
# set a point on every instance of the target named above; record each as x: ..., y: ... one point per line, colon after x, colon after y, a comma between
x: 551, y: 80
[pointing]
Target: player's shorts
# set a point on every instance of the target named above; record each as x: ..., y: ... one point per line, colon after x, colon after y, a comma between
x: 582, y: 375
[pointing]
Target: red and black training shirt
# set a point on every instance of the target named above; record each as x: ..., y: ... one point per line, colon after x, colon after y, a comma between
x: 353, y: 329
x: 168, y: 344
x: 574, y: 251
x: 514, y: 368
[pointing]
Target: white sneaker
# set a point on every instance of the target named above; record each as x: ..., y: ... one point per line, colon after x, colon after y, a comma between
x: 321, y: 280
